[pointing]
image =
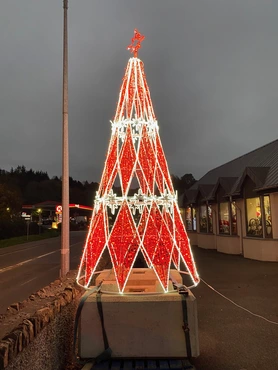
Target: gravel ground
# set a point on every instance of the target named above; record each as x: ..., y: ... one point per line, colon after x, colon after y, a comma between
x: 231, y: 338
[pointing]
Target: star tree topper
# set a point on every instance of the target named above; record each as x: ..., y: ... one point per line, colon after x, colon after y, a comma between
x: 135, y: 47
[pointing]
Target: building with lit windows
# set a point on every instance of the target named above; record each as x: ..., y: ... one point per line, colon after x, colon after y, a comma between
x: 234, y: 207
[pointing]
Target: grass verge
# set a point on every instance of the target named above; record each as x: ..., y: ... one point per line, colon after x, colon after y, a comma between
x: 32, y: 238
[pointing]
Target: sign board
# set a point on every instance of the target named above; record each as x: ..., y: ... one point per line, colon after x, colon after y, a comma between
x: 25, y: 216
x: 59, y: 209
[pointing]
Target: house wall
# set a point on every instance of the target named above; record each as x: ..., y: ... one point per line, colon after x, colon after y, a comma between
x: 193, y: 236
x: 261, y: 249
x: 214, y: 208
x: 197, y: 219
x: 228, y: 244
x: 274, y: 214
x: 207, y: 241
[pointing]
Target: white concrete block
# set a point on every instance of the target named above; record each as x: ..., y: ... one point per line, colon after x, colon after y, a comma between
x: 139, y: 325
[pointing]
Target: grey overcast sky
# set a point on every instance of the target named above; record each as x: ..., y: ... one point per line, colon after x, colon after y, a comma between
x: 211, y: 65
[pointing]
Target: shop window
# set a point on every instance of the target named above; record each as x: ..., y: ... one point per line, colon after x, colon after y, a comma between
x: 224, y: 218
x: 182, y: 213
x: 227, y: 218
x: 259, y: 223
x: 205, y: 219
x: 267, y: 216
x: 194, y: 218
x: 209, y: 219
x: 254, y: 217
x: 233, y: 214
x: 190, y: 219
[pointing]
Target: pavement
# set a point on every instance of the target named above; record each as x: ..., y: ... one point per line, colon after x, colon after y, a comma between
x: 231, y: 338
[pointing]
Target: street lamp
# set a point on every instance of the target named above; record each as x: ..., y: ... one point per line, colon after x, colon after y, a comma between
x: 65, y: 252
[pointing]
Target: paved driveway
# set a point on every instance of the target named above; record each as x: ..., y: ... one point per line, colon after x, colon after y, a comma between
x: 230, y: 338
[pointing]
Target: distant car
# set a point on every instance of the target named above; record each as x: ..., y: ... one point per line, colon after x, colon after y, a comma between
x: 47, y: 224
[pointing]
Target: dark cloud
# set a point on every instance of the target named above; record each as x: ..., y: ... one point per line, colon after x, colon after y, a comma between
x: 211, y: 67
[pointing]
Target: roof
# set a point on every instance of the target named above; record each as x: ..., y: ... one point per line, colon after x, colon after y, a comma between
x: 257, y: 174
x: 206, y: 190
x: 227, y: 184
x: 261, y: 165
x: 189, y: 196
x: 47, y: 203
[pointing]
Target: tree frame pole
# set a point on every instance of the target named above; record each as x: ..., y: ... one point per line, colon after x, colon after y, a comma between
x: 65, y: 251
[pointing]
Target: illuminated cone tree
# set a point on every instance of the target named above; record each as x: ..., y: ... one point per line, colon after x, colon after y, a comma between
x: 148, y: 220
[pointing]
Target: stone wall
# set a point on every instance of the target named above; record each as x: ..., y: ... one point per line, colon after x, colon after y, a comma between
x: 43, y: 340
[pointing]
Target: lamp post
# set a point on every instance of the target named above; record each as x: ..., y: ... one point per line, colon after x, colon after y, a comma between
x: 65, y: 252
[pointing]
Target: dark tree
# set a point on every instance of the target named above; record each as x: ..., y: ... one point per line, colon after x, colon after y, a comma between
x: 36, y: 186
x: 183, y: 183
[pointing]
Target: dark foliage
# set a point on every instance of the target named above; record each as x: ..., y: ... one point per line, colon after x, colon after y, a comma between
x: 33, y: 187
x: 21, y: 186
x: 183, y: 183
x: 16, y: 226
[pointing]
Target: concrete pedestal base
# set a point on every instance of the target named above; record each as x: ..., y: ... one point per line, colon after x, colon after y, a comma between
x: 139, y: 325
x: 140, y: 280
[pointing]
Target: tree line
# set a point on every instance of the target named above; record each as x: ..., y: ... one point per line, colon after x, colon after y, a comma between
x: 21, y: 186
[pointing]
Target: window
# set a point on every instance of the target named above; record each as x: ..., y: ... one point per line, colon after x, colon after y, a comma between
x: 254, y: 217
x: 190, y: 219
x: 183, y: 213
x: 234, y: 223
x: 267, y: 217
x: 227, y: 218
x: 209, y: 219
x: 205, y: 219
x: 258, y: 213
x: 224, y: 218
x: 194, y: 219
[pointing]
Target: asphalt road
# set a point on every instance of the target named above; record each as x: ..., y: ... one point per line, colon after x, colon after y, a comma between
x: 231, y: 338
x: 26, y: 268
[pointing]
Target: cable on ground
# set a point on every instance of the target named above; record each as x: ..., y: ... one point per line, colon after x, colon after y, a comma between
x: 239, y: 306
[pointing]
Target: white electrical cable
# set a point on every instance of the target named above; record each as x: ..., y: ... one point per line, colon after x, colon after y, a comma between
x: 237, y: 305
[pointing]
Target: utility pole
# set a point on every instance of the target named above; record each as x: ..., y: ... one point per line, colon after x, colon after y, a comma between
x: 65, y: 251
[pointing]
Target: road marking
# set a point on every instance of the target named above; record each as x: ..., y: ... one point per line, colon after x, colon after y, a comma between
x: 27, y: 249
x: 72, y: 245
x: 8, y: 268
x: 26, y: 261
x: 29, y: 281
x: 22, y: 250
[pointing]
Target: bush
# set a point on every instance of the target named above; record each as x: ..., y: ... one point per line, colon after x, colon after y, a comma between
x: 34, y: 228
x: 12, y: 227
